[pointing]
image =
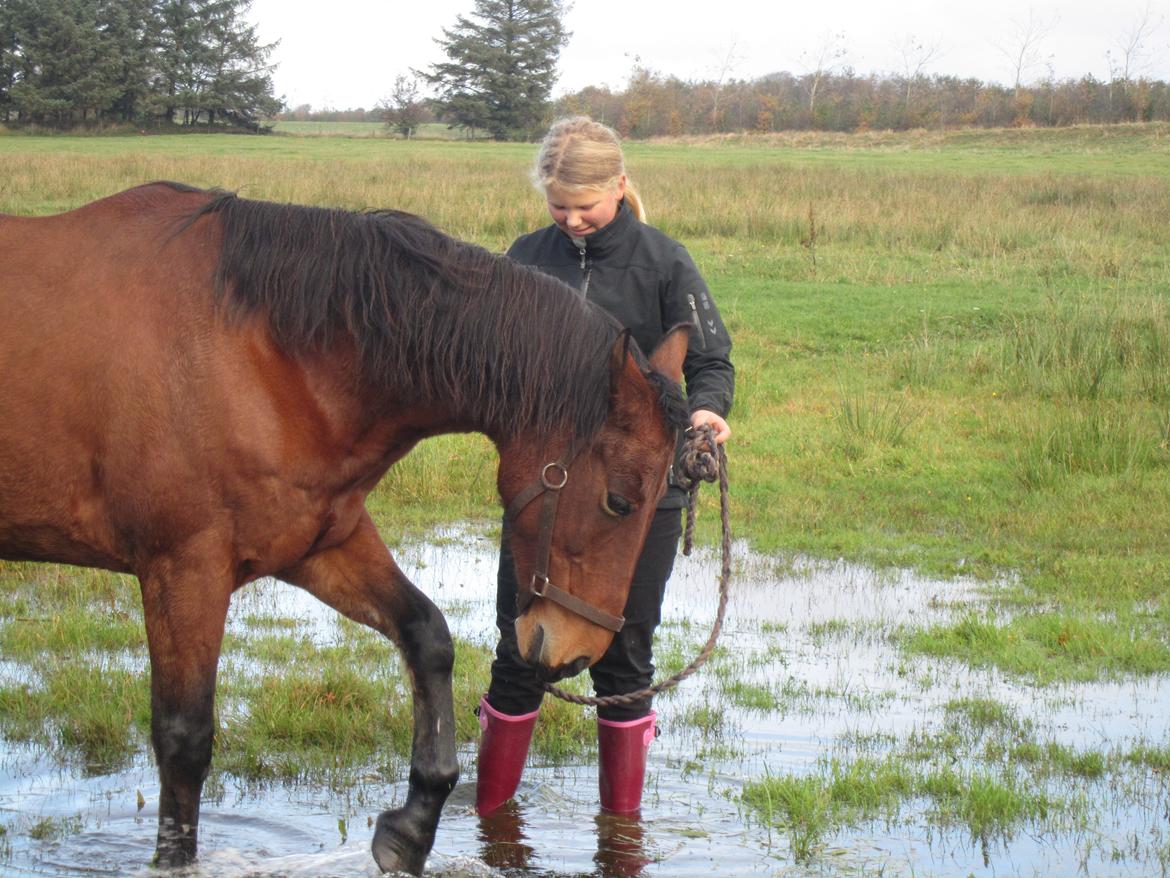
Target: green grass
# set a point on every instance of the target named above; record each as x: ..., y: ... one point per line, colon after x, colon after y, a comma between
x: 565, y: 732
x: 989, y: 806
x: 810, y: 809
x: 331, y: 129
x: 95, y: 715
x: 54, y: 828
x: 800, y: 805
x: 982, y: 715
x: 312, y: 723
x: 1059, y: 759
x: 1048, y: 647
x: 425, y: 131
x: 750, y: 696
x: 1152, y: 757
x: 979, y: 767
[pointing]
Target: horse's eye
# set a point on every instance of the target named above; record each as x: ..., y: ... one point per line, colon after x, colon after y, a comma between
x: 617, y: 505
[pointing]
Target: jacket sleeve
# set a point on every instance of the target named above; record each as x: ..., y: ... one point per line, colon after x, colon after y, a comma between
x: 707, y: 369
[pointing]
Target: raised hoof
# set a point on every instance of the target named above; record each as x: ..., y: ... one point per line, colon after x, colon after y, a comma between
x: 398, y: 846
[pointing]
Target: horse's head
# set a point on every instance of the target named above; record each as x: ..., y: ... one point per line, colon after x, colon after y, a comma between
x: 579, y: 513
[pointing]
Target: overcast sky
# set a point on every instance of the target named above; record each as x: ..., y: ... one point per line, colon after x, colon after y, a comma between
x: 346, y: 53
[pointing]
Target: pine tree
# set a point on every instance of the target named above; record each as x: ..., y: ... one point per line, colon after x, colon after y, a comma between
x: 211, y: 64
x: 128, y: 27
x: 69, y: 61
x: 238, y: 79
x: 502, y: 66
x: 8, y: 59
x: 61, y: 70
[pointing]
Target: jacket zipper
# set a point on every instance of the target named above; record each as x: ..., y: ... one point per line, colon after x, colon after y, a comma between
x: 587, y: 268
x: 696, y: 321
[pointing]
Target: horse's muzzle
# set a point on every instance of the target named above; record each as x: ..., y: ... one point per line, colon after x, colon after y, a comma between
x: 545, y: 673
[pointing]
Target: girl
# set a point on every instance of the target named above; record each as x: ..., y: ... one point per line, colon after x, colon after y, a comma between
x: 599, y: 243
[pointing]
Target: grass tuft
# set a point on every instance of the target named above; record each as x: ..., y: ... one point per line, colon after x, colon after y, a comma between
x: 1047, y: 646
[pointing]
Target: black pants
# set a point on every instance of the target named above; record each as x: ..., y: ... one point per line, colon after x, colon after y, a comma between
x: 628, y: 664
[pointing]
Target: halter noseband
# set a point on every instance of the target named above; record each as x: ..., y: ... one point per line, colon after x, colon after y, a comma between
x: 553, y: 477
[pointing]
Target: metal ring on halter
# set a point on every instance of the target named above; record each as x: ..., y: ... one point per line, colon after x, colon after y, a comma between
x: 538, y: 592
x: 564, y: 476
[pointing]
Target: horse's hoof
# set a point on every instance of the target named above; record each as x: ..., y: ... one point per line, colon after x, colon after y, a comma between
x: 175, y: 848
x: 172, y: 858
x: 398, y: 846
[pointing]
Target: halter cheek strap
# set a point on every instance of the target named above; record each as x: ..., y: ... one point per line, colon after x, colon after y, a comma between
x: 553, y: 477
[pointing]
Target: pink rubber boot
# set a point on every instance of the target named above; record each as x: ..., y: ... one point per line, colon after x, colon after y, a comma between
x: 503, y: 747
x: 622, y: 748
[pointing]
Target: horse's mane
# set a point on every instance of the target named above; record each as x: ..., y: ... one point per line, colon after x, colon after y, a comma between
x: 434, y: 318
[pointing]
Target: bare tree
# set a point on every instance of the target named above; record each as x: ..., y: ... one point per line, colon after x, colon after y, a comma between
x: 1131, y: 59
x: 1132, y: 47
x: 1023, y: 50
x: 821, y: 63
x: 724, y: 70
x: 915, y: 55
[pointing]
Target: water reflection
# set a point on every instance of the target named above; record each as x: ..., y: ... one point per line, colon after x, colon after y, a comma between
x: 621, y: 846
x: 509, y: 844
x: 503, y: 838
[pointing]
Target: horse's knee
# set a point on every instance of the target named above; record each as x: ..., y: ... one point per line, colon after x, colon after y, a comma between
x: 438, y: 656
x: 428, y: 643
x: 183, y: 744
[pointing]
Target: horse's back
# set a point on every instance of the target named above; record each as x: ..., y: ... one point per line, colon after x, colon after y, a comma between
x: 82, y: 289
x: 95, y: 302
x: 49, y: 258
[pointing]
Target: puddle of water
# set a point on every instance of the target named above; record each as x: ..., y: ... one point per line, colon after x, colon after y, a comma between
x: 817, y: 637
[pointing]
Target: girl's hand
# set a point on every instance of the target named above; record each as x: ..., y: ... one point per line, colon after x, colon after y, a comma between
x: 699, y: 417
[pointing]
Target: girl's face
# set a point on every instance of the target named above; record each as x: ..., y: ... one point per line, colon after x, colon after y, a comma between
x: 581, y: 212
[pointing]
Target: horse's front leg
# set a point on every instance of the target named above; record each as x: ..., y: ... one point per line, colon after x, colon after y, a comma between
x: 185, y: 606
x: 359, y: 579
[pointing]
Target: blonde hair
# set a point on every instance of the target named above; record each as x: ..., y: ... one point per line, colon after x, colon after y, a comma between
x: 578, y: 153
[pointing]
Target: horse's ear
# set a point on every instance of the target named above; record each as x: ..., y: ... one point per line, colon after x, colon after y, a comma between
x: 617, y: 360
x: 668, y: 356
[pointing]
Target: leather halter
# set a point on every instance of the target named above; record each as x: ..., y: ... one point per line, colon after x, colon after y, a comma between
x: 553, y: 477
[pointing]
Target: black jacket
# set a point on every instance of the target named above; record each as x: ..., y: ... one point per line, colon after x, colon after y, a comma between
x: 649, y: 282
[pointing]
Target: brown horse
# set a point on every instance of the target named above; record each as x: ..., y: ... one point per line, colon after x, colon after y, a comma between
x: 202, y: 390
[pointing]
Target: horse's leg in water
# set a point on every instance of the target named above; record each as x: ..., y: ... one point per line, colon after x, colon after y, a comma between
x: 185, y: 601
x: 360, y: 580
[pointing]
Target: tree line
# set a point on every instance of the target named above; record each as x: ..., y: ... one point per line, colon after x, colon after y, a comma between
x: 181, y: 62
x: 653, y: 105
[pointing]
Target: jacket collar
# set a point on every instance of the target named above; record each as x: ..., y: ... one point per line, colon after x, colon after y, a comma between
x: 607, y: 239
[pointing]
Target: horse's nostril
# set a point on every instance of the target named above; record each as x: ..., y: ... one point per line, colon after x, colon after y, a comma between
x: 535, y: 648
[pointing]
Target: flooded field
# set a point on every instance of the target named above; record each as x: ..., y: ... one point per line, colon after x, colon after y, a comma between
x: 813, y: 744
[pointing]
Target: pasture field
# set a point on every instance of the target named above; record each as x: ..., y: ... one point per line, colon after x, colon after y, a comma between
x: 953, y: 353
x: 953, y: 349
x: 425, y: 131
